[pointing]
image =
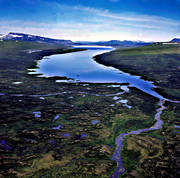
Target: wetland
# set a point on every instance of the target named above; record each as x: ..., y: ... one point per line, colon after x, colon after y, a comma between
x: 69, y: 129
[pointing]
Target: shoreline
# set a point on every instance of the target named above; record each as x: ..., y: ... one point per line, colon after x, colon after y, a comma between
x: 45, y: 53
x: 103, y: 59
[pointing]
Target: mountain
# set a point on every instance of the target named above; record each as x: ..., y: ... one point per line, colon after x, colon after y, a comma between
x: 124, y: 43
x: 33, y: 38
x: 175, y: 40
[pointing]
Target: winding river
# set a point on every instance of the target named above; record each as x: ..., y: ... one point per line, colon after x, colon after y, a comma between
x: 117, y: 154
x: 80, y: 67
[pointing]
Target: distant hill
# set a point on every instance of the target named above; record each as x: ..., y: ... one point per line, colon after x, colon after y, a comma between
x: 175, y: 40
x: 33, y: 38
x: 124, y: 43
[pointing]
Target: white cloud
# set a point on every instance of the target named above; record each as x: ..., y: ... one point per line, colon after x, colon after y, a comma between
x: 91, y: 32
x: 130, y: 16
x: 98, y: 24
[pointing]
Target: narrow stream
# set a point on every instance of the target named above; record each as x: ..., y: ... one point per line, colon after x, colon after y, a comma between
x: 117, y: 154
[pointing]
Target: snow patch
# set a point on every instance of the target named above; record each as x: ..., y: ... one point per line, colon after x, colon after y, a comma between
x: 16, y: 36
x: 17, y: 83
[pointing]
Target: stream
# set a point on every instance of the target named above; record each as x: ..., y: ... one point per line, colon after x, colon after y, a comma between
x: 80, y: 67
x: 117, y: 154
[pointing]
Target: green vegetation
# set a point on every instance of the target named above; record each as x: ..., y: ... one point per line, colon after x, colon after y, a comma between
x: 153, y: 49
x: 133, y: 119
x: 86, y: 150
x: 154, y: 153
x: 159, y: 63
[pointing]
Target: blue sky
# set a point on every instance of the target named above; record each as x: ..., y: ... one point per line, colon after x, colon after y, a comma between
x: 93, y: 20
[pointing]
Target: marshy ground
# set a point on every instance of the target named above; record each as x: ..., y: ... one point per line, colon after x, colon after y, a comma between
x: 51, y: 129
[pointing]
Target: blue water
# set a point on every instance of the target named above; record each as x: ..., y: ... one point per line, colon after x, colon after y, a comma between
x: 37, y: 114
x: 57, y: 127
x: 56, y: 117
x: 83, y: 135
x: 66, y: 135
x: 94, y: 122
x: 4, y: 145
x: 81, y: 67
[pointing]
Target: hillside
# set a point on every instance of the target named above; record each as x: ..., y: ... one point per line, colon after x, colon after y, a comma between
x: 32, y: 38
x: 157, y: 62
x: 176, y: 40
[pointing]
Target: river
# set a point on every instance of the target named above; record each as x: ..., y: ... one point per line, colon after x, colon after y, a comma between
x: 117, y: 154
x: 80, y: 67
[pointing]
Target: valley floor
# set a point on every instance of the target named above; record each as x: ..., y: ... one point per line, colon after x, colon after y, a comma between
x: 51, y: 129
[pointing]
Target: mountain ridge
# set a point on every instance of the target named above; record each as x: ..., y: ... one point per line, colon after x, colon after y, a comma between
x: 175, y: 40
x: 34, y: 38
x: 116, y: 43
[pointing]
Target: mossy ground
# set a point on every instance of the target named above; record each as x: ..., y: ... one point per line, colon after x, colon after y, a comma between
x: 78, y: 148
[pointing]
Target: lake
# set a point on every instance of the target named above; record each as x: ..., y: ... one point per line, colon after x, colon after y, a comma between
x: 80, y: 67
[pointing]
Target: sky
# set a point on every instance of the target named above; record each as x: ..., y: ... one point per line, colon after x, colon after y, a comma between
x: 93, y: 20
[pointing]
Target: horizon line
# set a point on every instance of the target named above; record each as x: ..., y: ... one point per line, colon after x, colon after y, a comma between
x: 45, y: 36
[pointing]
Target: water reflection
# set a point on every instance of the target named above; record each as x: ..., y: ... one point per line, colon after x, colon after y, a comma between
x: 57, y: 127
x: 94, y: 122
x: 81, y: 67
x: 37, y: 114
